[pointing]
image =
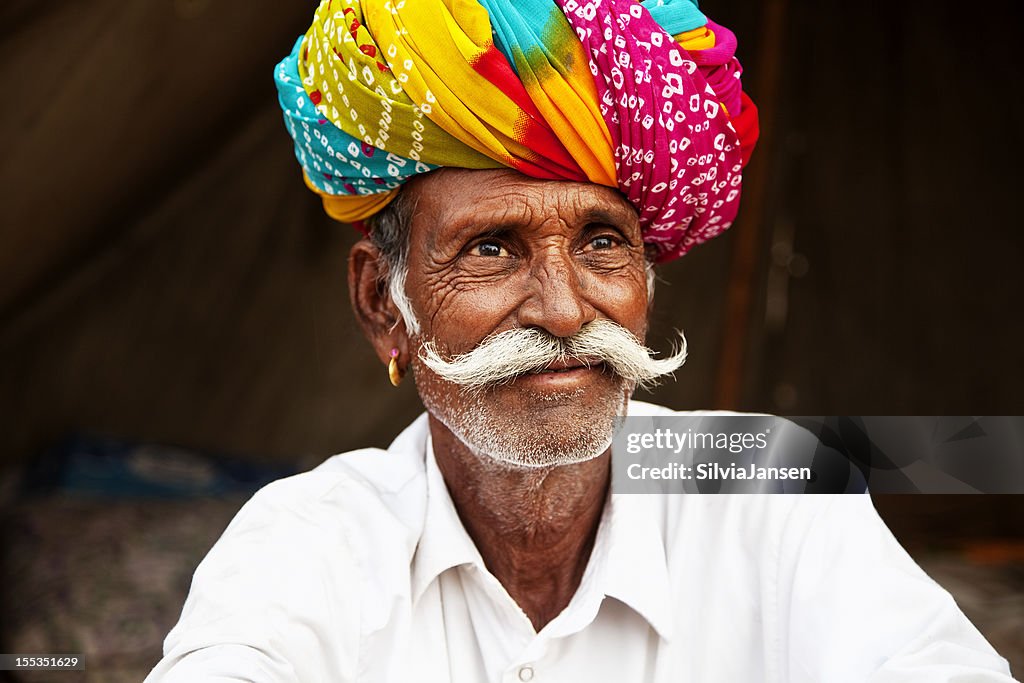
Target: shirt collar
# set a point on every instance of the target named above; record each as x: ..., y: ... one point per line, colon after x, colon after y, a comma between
x: 444, y: 542
x: 627, y: 563
x: 635, y: 567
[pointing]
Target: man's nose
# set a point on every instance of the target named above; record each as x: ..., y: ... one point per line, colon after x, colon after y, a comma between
x: 558, y: 301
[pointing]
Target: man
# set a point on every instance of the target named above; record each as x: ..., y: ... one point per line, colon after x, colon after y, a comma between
x: 519, y: 167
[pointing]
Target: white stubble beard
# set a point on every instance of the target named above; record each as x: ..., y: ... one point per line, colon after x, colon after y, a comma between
x: 508, y: 441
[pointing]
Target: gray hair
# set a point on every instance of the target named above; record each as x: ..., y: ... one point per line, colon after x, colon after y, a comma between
x: 389, y: 231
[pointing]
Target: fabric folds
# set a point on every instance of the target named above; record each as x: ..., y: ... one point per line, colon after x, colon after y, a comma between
x: 645, y: 97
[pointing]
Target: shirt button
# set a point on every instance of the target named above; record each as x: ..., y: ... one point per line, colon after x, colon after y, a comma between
x: 526, y: 674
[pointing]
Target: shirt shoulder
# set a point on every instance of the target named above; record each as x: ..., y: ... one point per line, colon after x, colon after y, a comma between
x: 373, y: 500
x: 645, y: 409
x: 333, y: 545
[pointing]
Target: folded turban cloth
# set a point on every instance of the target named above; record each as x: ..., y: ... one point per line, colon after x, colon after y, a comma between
x: 642, y: 96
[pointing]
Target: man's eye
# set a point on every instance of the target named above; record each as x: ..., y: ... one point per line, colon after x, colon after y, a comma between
x: 490, y: 249
x: 603, y: 242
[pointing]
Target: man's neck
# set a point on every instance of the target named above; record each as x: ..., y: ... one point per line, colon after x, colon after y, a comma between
x: 534, y: 528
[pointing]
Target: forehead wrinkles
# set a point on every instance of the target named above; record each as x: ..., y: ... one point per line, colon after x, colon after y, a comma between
x: 519, y: 206
x: 533, y: 205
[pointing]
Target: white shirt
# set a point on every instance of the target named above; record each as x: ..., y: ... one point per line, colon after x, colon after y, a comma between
x: 362, y: 571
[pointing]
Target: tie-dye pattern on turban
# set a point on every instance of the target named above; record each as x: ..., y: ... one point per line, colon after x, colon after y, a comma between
x: 642, y: 96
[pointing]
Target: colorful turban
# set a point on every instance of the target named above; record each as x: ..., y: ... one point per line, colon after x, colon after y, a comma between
x: 642, y: 96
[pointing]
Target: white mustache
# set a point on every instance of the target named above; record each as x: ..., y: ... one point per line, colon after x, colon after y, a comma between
x: 502, y: 357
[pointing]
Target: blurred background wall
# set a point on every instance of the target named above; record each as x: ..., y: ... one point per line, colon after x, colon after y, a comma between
x: 165, y: 276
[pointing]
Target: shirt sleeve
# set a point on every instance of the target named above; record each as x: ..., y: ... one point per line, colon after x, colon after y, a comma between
x: 220, y: 664
x: 278, y: 558
x: 858, y: 608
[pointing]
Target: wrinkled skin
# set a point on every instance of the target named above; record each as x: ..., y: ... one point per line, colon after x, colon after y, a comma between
x: 488, y: 251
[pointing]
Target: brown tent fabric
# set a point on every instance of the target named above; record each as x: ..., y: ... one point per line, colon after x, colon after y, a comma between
x: 165, y: 276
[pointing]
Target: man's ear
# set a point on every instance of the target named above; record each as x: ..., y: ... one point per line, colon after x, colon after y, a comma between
x: 376, y: 312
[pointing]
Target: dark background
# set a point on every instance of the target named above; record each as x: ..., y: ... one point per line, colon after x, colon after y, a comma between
x: 166, y: 277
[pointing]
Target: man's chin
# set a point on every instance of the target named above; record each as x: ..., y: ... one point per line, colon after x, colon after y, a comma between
x: 532, y: 457
x: 541, y: 424
x: 536, y: 420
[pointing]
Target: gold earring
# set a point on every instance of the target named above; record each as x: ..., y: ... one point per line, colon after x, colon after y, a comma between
x: 394, y: 372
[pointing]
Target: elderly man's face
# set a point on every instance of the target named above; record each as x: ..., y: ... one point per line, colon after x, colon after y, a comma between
x: 494, y: 250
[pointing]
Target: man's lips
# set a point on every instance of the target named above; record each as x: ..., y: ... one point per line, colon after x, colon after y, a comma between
x: 570, y: 364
